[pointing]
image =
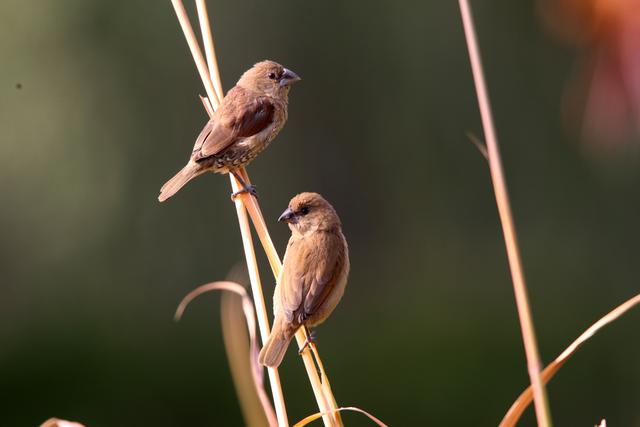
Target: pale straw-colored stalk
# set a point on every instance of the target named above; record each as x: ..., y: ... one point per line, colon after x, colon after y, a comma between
x: 252, y: 265
x: 258, y: 298
x: 209, y: 47
x: 321, y: 387
x: 543, y: 414
x: 192, y: 41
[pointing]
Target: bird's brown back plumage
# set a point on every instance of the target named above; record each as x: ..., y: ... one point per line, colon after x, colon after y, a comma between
x: 314, y: 274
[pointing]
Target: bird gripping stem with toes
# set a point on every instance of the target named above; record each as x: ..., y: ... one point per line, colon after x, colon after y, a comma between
x: 314, y: 272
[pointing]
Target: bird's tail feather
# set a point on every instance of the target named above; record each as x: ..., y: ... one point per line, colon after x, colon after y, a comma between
x: 276, y: 346
x: 171, y: 187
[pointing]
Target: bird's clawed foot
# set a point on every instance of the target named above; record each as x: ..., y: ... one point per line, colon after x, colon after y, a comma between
x: 251, y: 189
x: 246, y: 188
x: 311, y: 338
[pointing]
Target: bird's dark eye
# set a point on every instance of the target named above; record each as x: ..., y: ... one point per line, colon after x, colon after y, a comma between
x: 304, y: 210
x: 272, y: 76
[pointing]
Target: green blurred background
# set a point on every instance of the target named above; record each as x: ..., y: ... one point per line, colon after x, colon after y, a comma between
x: 99, y: 106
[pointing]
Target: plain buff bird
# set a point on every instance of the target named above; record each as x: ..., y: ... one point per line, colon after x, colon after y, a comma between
x: 248, y: 119
x: 314, y: 272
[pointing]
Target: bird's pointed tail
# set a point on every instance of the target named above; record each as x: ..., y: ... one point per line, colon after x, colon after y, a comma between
x: 276, y: 346
x: 171, y: 187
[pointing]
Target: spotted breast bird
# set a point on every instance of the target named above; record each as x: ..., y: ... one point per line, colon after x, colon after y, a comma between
x: 314, y: 272
x: 248, y: 119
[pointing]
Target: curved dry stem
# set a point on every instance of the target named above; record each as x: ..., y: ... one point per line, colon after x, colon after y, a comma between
x: 248, y: 310
x: 213, y: 286
x: 237, y: 345
x: 522, y: 402
x: 317, y: 415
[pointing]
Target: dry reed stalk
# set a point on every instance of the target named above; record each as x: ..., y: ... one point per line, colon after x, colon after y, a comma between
x: 258, y: 297
x: 252, y: 265
x: 192, y: 41
x: 543, y: 414
x: 522, y: 402
x: 321, y: 389
x: 209, y: 48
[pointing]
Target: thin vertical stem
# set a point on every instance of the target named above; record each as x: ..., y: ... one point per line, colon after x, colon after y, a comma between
x: 209, y: 47
x: 543, y: 414
x: 192, y: 41
x: 258, y: 298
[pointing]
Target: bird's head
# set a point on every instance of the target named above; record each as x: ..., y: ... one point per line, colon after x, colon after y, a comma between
x: 269, y: 78
x: 309, y: 212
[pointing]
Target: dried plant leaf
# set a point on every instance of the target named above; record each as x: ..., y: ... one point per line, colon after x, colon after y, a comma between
x: 240, y: 355
x: 518, y: 407
x: 318, y: 415
x: 55, y: 422
x: 248, y: 310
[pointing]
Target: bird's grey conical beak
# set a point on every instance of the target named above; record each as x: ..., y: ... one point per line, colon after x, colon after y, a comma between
x: 286, y: 216
x: 289, y: 78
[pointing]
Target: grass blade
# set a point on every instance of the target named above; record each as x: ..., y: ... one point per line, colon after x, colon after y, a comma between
x: 248, y: 310
x: 522, y: 402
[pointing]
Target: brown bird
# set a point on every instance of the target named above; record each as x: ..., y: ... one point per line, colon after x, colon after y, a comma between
x: 314, y: 274
x: 248, y: 119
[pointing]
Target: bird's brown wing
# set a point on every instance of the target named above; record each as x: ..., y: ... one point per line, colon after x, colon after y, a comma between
x: 204, y: 134
x: 290, y: 284
x: 310, y: 273
x: 241, y: 115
